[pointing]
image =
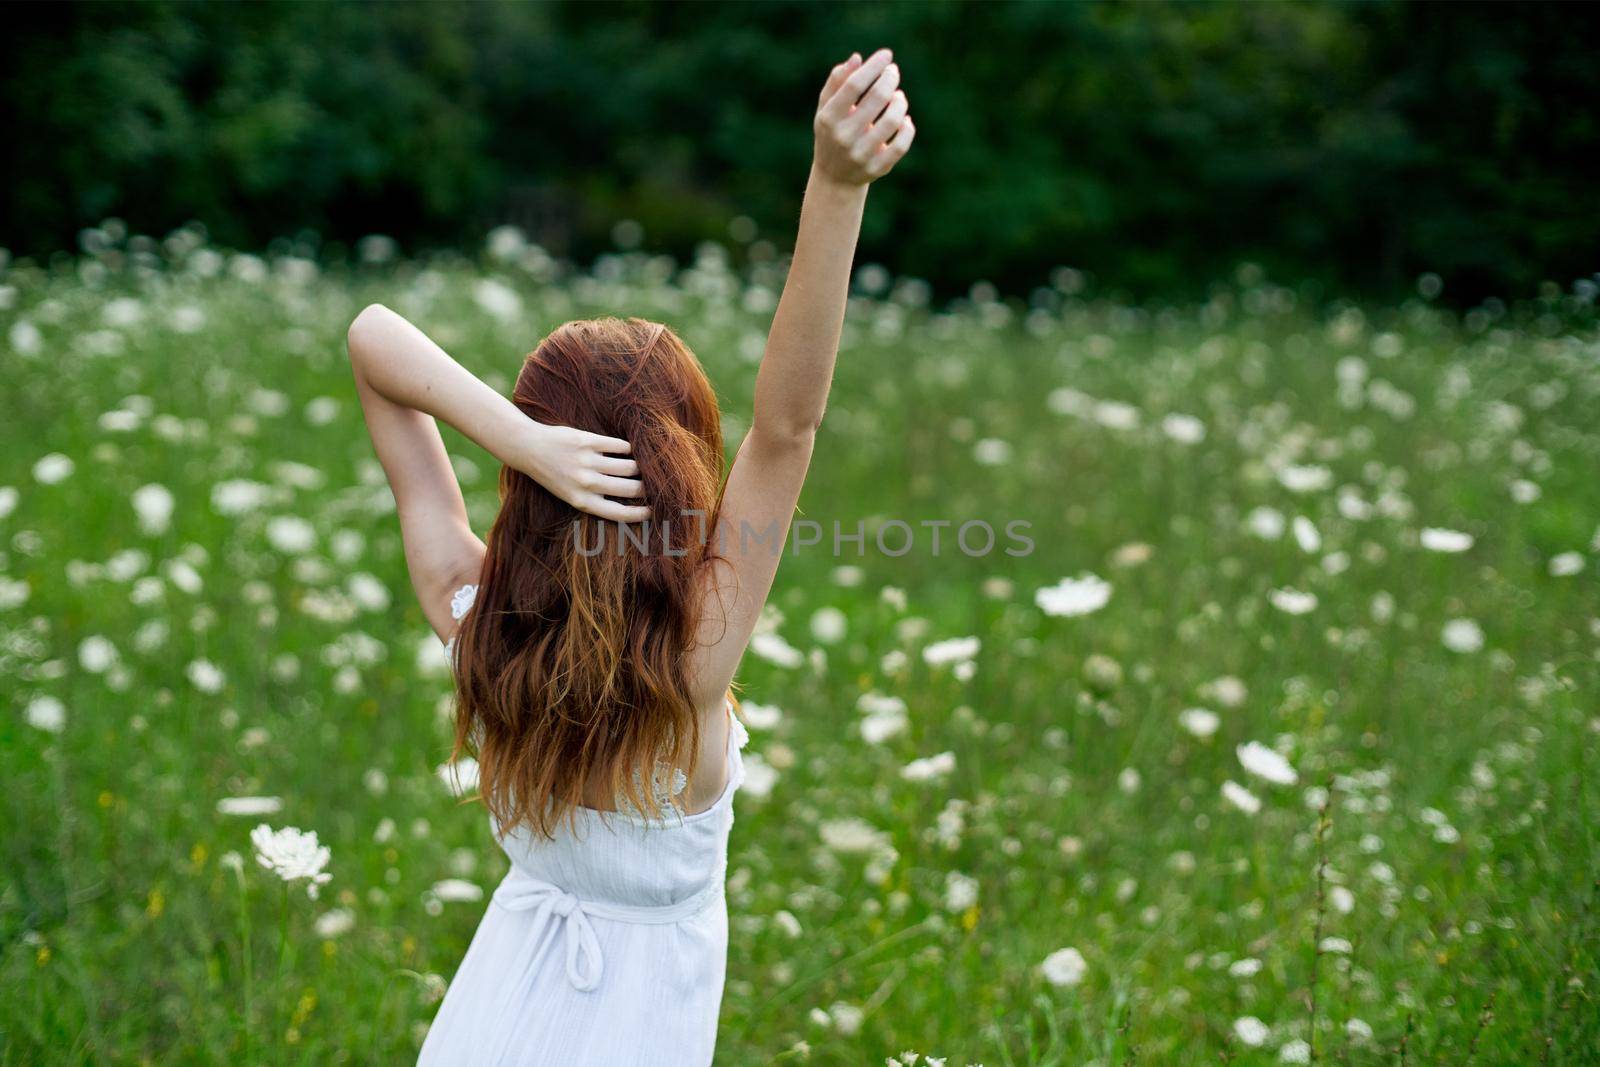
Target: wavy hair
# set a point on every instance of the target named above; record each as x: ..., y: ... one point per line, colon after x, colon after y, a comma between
x: 571, y: 662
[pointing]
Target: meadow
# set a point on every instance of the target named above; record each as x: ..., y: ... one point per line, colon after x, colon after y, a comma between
x: 1272, y: 745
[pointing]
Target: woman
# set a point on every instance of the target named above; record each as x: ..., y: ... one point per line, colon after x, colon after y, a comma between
x: 595, y: 637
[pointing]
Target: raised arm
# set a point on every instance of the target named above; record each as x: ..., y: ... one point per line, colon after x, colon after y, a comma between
x: 862, y: 130
x: 405, y: 381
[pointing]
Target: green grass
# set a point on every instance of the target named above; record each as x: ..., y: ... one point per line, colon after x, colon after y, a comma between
x: 1461, y: 815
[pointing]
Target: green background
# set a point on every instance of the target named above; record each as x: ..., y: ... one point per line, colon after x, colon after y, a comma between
x: 1155, y: 145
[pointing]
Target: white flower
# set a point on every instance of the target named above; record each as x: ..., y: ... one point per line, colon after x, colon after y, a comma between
x: 1064, y: 967
x: 1305, y: 479
x: 1306, y: 534
x: 1263, y: 762
x: 182, y: 575
x: 1201, y: 722
x: 1074, y: 596
x: 846, y: 1018
x: 13, y: 592
x: 1102, y: 672
x: 1132, y: 554
x: 853, y: 835
x: 1250, y: 1031
x: 1184, y: 429
x: 97, y: 654
x: 829, y: 625
x: 321, y: 410
x: 46, y: 713
x: 123, y: 311
x: 759, y: 775
x: 367, y: 591
x: 292, y: 854
x: 507, y: 242
x: 25, y: 337
x: 206, y: 676
x: 253, y: 806
x: 1296, y: 1051
x: 786, y: 922
x: 53, y: 468
x: 954, y: 650
x: 1342, y: 900
x: 760, y: 716
x: 1292, y: 601
x: 1227, y: 690
x: 458, y: 891
x: 1435, y: 539
x: 497, y: 299
x: 960, y: 891
x: 1566, y: 565
x: 460, y: 777
x: 1240, y: 797
x: 1115, y: 415
x: 992, y: 452
x: 187, y: 318
x: 239, y: 495
x: 8, y: 500
x: 332, y: 924
x: 1129, y: 781
x: 1248, y: 967
x: 1335, y: 945
x: 153, y: 504
x: 880, y: 726
x: 885, y: 717
x: 929, y: 768
x: 1266, y: 523
x: 291, y: 534
x: 119, y: 420
x: 774, y: 649
x: 1462, y: 635
x: 432, y: 657
x: 1359, y: 1030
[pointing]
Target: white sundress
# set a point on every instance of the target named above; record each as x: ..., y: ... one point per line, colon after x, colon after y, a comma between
x: 606, y: 947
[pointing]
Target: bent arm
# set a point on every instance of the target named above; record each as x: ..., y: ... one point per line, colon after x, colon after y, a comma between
x: 404, y: 381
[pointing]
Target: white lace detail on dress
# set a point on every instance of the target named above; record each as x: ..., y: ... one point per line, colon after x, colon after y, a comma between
x: 664, y: 789
x: 461, y: 602
x: 463, y: 599
x: 669, y: 781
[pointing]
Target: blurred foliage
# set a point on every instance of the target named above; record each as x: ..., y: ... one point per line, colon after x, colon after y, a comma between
x: 1155, y: 144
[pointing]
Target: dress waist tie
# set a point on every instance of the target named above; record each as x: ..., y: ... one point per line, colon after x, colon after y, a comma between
x: 523, y: 892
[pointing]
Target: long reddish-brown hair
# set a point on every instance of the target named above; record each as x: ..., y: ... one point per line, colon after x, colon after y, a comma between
x: 571, y: 661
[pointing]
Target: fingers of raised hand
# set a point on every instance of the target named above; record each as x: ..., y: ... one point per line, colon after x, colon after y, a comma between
x: 894, y: 151
x: 889, y: 122
x: 837, y: 76
x: 856, y: 84
x: 877, y: 97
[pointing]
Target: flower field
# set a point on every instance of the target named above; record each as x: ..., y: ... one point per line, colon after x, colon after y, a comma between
x: 1261, y: 730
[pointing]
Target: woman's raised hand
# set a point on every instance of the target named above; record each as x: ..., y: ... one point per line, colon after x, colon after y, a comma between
x: 862, y: 127
x: 580, y: 467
